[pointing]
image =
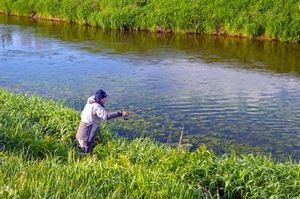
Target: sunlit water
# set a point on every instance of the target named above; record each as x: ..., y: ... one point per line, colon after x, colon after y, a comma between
x: 228, y: 93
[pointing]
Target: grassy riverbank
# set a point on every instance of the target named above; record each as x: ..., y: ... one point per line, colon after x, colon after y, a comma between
x: 265, y: 19
x: 39, y: 159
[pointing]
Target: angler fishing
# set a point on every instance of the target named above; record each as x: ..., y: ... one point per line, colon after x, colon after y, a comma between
x: 91, y: 116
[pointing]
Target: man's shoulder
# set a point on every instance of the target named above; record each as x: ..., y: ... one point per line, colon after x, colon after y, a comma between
x: 91, y: 100
x: 98, y: 106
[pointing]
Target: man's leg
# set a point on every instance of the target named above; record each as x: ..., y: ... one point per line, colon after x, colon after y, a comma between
x: 92, y: 136
x: 84, y: 146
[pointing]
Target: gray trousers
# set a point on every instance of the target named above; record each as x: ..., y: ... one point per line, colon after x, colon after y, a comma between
x: 86, y: 135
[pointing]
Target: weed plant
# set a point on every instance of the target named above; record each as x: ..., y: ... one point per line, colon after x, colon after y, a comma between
x: 39, y: 159
x: 273, y: 19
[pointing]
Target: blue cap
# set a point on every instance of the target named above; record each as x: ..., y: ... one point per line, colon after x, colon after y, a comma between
x: 100, y: 94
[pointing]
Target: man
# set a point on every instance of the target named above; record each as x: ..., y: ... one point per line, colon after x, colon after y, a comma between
x: 91, y: 116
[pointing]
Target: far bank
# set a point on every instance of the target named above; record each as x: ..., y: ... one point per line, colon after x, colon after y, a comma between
x: 266, y: 19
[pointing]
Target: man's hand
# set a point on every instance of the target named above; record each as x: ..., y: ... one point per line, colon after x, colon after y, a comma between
x: 124, y: 114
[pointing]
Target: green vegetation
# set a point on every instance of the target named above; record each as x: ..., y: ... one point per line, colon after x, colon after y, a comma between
x: 273, y: 19
x: 39, y: 159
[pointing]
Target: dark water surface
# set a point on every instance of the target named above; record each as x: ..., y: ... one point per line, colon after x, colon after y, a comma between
x: 228, y: 93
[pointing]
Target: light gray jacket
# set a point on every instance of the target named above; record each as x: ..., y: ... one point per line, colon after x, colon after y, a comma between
x: 93, y: 113
x: 91, y: 116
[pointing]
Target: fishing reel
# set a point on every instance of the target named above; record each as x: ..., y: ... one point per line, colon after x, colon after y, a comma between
x: 127, y: 116
x: 124, y: 117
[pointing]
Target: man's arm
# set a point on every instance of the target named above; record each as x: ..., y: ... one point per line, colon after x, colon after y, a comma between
x: 101, y: 113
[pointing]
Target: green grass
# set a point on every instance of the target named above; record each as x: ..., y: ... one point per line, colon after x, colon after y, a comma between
x: 272, y: 19
x: 39, y: 159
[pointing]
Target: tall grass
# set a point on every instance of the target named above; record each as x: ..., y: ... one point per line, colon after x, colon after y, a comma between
x: 274, y: 19
x: 38, y: 159
x: 34, y: 126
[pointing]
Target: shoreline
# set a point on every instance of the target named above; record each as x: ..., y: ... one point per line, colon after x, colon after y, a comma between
x: 37, y: 151
x: 159, y: 30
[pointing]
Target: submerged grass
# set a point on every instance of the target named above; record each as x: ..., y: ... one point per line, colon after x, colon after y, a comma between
x: 275, y: 19
x: 39, y: 159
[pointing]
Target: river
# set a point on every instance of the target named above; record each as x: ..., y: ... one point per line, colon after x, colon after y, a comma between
x: 231, y: 94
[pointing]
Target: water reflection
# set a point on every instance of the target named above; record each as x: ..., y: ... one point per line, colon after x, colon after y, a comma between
x: 278, y: 57
x: 227, y: 93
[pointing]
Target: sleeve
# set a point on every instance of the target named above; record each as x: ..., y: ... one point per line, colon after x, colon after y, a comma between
x: 102, y: 114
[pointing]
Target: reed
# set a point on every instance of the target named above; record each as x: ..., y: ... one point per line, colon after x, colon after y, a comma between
x: 268, y: 19
x: 39, y: 159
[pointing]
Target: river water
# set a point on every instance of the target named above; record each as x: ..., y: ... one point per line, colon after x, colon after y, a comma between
x: 231, y: 94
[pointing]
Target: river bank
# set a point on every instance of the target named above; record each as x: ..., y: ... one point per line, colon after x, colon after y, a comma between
x: 272, y: 20
x: 197, y: 77
x: 39, y: 158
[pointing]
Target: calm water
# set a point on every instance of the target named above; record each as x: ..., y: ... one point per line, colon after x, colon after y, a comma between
x: 228, y: 93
